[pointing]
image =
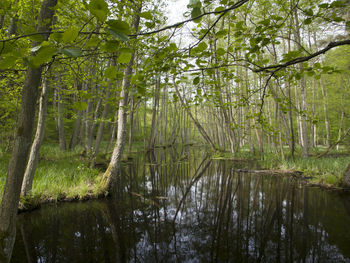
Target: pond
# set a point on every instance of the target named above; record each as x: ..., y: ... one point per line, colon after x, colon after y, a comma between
x: 180, y: 206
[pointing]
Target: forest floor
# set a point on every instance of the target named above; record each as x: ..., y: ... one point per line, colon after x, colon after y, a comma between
x: 66, y: 175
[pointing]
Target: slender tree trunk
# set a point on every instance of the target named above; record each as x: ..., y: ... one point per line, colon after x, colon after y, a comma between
x: 340, y: 126
x: 155, y: 107
x: 20, y: 152
x: 77, y: 127
x: 39, y: 137
x: 304, y: 128
x: 77, y: 124
x: 114, y: 131
x: 60, y: 123
x: 326, y: 119
x: 113, y: 170
x: 101, y: 126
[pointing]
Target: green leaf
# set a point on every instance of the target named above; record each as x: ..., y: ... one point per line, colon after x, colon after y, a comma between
x: 73, y: 52
x: 124, y: 58
x: 110, y: 72
x: 7, y: 47
x: 80, y: 105
x: 221, y: 33
x: 147, y: 15
x: 202, y: 46
x: 196, y: 12
x: 196, y: 80
x: 220, y: 51
x: 70, y: 34
x: 325, y: 5
x: 338, y: 19
x: 195, y: 3
x: 99, y: 8
x: 119, y: 26
x: 220, y: 8
x: 37, y: 38
x: 110, y: 46
x: 307, y: 21
x: 92, y: 42
x: 43, y: 55
x: 7, y: 62
x: 56, y: 37
x: 117, y: 34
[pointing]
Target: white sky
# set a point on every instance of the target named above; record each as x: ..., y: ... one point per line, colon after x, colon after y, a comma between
x: 175, y: 10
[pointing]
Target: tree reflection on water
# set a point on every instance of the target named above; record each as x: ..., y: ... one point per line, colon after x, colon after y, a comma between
x: 199, y: 211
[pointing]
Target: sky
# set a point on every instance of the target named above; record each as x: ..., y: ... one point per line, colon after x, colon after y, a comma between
x: 175, y: 10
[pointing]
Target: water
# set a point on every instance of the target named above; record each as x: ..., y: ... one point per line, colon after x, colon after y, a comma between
x: 195, y: 210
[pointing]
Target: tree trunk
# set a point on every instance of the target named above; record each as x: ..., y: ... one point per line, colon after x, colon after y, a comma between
x: 113, y: 170
x: 19, y: 156
x: 304, y: 128
x: 155, y: 107
x: 101, y: 126
x: 60, y: 123
x: 196, y: 122
x: 326, y: 119
x: 77, y: 124
x: 39, y: 136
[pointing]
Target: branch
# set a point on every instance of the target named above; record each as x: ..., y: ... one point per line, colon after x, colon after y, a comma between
x: 234, y: 6
x: 176, y: 25
x: 303, y: 59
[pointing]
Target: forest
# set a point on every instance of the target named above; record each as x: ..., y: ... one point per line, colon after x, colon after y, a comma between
x: 238, y: 105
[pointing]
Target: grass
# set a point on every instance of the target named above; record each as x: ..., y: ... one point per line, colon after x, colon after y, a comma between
x: 60, y: 174
x: 326, y: 171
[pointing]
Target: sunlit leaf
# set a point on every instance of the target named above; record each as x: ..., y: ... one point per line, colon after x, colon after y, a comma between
x: 124, y: 58
x: 118, y: 35
x: 110, y: 72
x: 99, y: 8
x: 72, y: 52
x: 119, y: 26
x: 70, y: 34
x: 146, y: 15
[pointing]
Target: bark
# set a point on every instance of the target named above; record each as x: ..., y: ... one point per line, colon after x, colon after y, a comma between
x: 101, y: 126
x: 113, y: 170
x: 60, y: 123
x: 326, y: 119
x: 114, y: 131
x: 77, y: 124
x: 155, y: 107
x: 22, y: 143
x: 341, y: 125
x: 304, y: 128
x: 38, y: 139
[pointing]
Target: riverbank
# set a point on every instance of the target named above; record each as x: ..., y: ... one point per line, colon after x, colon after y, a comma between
x: 65, y: 176
x: 325, y: 172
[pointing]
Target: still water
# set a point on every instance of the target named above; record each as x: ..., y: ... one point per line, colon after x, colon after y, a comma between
x: 193, y: 210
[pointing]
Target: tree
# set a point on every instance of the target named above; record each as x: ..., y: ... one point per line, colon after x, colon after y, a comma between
x: 8, y: 210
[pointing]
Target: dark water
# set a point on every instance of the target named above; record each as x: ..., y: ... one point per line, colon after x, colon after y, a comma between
x: 193, y: 211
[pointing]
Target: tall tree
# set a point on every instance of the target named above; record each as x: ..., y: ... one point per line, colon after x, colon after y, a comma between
x: 19, y: 156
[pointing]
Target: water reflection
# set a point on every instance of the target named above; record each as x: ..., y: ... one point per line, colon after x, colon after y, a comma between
x: 196, y: 210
